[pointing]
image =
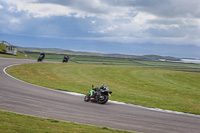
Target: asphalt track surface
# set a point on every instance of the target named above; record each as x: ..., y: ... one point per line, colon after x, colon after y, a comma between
x: 23, y: 98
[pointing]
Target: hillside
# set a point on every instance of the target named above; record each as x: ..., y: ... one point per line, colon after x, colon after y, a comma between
x: 70, y: 52
x: 5, y: 55
x: 2, y: 47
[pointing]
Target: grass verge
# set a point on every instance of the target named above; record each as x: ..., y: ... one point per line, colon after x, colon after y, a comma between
x: 4, y: 55
x: 19, y: 56
x: 158, y: 88
x: 17, y: 123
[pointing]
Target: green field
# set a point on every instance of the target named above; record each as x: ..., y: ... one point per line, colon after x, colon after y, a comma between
x: 178, y: 66
x: 17, y: 123
x: 163, y: 85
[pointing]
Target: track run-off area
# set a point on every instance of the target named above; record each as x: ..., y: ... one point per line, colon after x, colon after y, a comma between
x: 21, y: 97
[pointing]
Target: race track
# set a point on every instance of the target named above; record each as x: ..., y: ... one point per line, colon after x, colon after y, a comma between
x: 20, y: 97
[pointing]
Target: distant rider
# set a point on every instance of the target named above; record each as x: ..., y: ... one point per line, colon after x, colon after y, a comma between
x: 42, y: 55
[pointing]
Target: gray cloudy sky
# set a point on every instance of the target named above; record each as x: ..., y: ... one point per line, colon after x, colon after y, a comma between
x: 164, y: 27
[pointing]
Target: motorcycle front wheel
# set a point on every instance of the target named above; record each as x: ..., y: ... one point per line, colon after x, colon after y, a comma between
x: 103, y: 99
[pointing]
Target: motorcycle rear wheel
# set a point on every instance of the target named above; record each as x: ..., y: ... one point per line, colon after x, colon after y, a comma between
x: 103, y: 100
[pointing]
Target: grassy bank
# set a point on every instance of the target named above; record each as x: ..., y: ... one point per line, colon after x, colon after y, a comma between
x: 17, y: 123
x: 19, y: 56
x: 4, y: 55
x: 159, y: 88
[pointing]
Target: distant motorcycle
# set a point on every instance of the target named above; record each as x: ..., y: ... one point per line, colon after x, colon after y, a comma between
x: 65, y: 59
x: 99, y: 95
x: 41, y: 57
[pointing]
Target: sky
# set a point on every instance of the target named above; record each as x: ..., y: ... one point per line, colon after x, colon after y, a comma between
x: 135, y: 27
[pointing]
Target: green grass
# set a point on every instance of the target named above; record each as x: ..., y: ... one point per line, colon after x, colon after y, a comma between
x: 17, y: 123
x: 152, y: 87
x: 18, y: 56
x: 177, y: 66
x: 85, y: 59
x: 2, y: 47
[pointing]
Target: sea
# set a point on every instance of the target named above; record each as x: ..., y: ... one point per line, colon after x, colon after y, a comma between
x: 191, y: 61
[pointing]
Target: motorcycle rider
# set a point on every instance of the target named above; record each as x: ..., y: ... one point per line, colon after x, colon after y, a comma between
x: 96, y: 91
x: 41, y: 57
x: 66, y: 58
x: 98, y: 94
x: 103, y: 86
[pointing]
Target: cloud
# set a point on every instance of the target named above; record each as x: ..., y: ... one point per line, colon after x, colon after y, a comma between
x: 155, y: 21
x: 128, y: 21
x: 70, y: 8
x: 93, y: 22
x: 14, y: 21
x: 170, y: 8
x: 91, y: 8
x: 1, y: 7
x: 37, y: 9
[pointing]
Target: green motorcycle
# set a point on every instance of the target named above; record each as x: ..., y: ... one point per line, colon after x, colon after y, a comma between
x: 98, y: 94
